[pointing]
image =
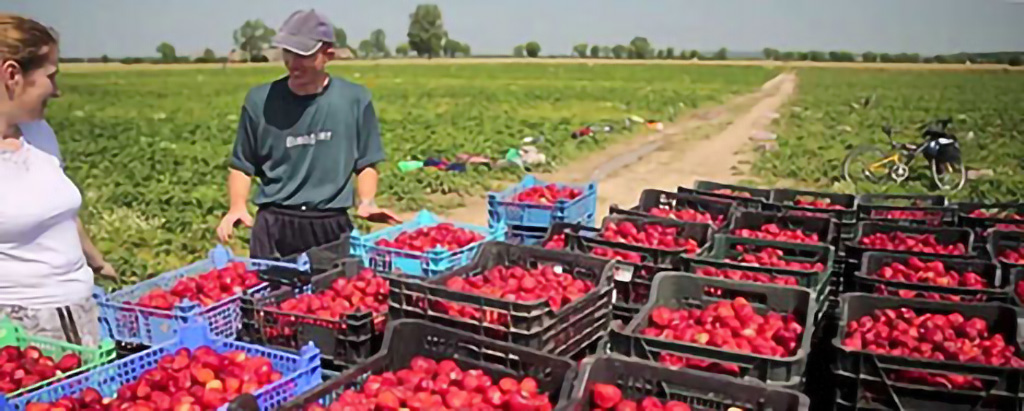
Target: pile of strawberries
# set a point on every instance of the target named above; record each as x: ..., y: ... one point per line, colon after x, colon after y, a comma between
x: 747, y: 276
x: 183, y: 381
x: 943, y: 337
x: 364, y: 292
x: 1005, y: 214
x: 520, y: 284
x: 728, y: 325
x: 822, y: 203
x: 445, y: 236
x: 430, y: 385
x: 547, y: 194
x: 609, y: 397
x: 650, y: 235
x: 772, y: 257
x: 557, y: 242
x: 1012, y: 256
x: 907, y: 214
x: 918, y: 243
x: 938, y: 379
x: 25, y: 367
x: 734, y: 193
x: 687, y: 214
x: 206, y: 289
x: 775, y: 233
x: 932, y: 272
x: 925, y: 295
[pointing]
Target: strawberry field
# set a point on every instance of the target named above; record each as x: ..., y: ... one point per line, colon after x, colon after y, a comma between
x: 835, y: 109
x: 149, y: 148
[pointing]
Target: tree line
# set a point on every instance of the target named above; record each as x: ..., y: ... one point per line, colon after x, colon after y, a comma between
x: 427, y: 37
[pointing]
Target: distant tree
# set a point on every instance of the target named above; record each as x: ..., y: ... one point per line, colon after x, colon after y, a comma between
x: 670, y: 53
x: 519, y: 51
x: 869, y: 57
x: 619, y: 51
x: 104, y: 59
x: 660, y: 54
x: 402, y: 50
x: 928, y: 60
x: 580, y: 50
x: 451, y: 47
x: 533, y: 49
x: 770, y: 53
x: 841, y: 56
x: 167, y: 53
x: 886, y: 58
x: 465, y: 50
x: 340, y: 38
x: 641, y: 48
x: 1015, y: 60
x: 606, y: 51
x: 787, y: 56
x: 379, y: 41
x: 802, y: 56
x: 631, y: 53
x: 366, y: 49
x: 253, y: 37
x: 426, y: 30
x: 722, y: 54
x: 595, y: 51
x: 259, y: 58
x: 693, y: 54
x: 834, y: 56
x: 209, y: 54
x: 817, y: 56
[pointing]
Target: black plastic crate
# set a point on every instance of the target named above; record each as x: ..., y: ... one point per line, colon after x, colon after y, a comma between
x: 326, y: 257
x: 826, y: 228
x: 864, y: 281
x: 343, y: 342
x: 1001, y: 319
x: 1000, y: 216
x: 718, y: 209
x: 743, y: 197
x: 1016, y: 276
x: 699, y: 232
x: 407, y: 339
x: 869, y: 393
x: 817, y: 283
x: 1000, y: 241
x: 785, y: 199
x: 640, y: 379
x: 725, y: 248
x: 917, y: 209
x: 943, y: 235
x: 412, y: 295
x: 682, y: 290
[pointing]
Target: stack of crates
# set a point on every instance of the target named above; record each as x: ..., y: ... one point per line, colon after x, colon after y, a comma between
x: 528, y: 222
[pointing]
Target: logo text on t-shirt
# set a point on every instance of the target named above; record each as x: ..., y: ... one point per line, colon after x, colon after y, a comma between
x: 310, y: 139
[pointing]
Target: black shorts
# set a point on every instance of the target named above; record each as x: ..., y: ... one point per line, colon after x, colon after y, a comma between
x: 281, y: 232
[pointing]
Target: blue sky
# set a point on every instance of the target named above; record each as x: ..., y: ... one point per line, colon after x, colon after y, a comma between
x: 135, y: 27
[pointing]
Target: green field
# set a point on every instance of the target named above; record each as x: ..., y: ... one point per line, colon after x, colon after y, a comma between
x: 828, y: 116
x: 150, y: 148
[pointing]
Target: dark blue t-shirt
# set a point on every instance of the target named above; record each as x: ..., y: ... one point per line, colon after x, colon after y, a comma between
x: 305, y: 149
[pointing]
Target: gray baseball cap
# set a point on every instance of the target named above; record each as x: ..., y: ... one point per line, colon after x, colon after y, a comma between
x: 304, y: 31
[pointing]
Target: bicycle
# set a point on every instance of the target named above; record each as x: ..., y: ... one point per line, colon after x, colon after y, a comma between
x: 941, y: 149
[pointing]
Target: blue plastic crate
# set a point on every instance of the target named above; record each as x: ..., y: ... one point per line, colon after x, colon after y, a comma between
x: 299, y: 372
x: 123, y: 321
x: 432, y: 263
x: 501, y: 206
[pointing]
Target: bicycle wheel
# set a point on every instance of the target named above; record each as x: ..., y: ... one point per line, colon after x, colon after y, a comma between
x: 863, y: 162
x: 949, y: 175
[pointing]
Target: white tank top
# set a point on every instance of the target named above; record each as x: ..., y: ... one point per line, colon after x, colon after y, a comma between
x: 41, y: 260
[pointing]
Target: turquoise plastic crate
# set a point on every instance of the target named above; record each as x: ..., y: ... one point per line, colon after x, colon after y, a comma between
x: 299, y: 372
x: 122, y: 321
x: 429, y: 264
x: 501, y: 206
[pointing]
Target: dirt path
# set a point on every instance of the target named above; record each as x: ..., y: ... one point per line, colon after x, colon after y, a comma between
x: 707, y: 144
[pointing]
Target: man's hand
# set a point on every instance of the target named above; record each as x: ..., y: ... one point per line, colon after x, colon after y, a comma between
x: 370, y: 212
x: 227, y: 224
x: 106, y: 270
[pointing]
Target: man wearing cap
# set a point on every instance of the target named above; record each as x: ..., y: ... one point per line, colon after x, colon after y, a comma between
x: 304, y: 137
